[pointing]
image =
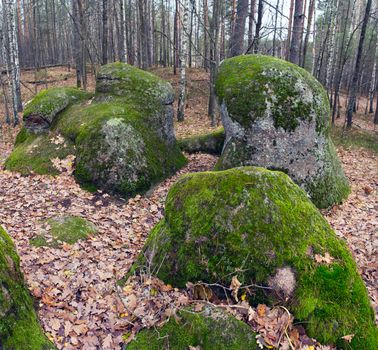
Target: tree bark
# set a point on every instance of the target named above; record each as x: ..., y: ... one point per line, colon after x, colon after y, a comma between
x: 297, y: 32
x: 105, y: 31
x: 353, y: 88
x: 214, y: 59
x: 182, y: 60
x: 311, y: 10
x: 290, y: 28
x: 237, y: 36
x: 256, y: 40
x: 251, y: 22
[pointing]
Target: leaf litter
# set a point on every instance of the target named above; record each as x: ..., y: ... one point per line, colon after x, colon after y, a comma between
x: 80, y: 304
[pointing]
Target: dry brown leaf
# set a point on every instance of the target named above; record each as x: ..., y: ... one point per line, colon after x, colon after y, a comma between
x: 261, y: 310
x: 326, y: 259
x: 235, y: 285
x: 348, y: 338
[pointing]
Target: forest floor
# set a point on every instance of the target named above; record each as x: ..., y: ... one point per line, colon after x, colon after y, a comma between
x: 80, y: 306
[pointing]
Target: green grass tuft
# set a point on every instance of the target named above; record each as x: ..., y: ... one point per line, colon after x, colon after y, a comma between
x: 69, y: 229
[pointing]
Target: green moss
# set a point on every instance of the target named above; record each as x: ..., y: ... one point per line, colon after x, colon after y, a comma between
x: 33, y: 153
x: 120, y: 138
x: 48, y: 103
x: 134, y: 84
x: 355, y: 138
x: 249, y: 222
x: 211, y: 143
x: 19, y: 327
x: 253, y: 85
x: 210, y: 329
x: 105, y: 132
x: 333, y: 186
x: 67, y: 229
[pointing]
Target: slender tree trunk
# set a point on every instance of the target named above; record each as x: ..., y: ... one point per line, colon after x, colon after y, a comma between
x: 214, y: 59
x: 182, y: 60
x: 357, y: 68
x: 311, y: 9
x: 251, y: 23
x: 176, y: 34
x: 297, y: 32
x: 374, y: 80
x: 105, y: 31
x: 290, y: 27
x: 206, y: 34
x: 256, y: 40
x: 275, y: 27
x: 237, y: 36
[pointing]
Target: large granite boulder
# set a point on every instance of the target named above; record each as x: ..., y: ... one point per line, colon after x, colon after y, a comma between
x: 276, y: 115
x: 123, y: 138
x: 212, y: 328
x: 19, y: 327
x: 258, y: 225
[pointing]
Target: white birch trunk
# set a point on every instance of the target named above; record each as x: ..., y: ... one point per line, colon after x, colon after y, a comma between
x: 182, y: 60
x: 14, y: 59
x: 331, y: 60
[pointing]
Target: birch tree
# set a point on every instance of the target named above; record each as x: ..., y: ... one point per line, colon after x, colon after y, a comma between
x: 182, y: 61
x: 10, y: 10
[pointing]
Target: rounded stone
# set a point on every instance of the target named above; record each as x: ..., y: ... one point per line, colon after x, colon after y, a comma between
x: 258, y: 225
x: 123, y: 138
x: 19, y: 327
x: 276, y: 115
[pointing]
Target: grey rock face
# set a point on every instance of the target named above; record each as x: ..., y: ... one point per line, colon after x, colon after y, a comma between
x: 276, y: 116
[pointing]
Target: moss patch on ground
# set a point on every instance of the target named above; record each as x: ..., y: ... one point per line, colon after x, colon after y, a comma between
x: 250, y: 222
x: 211, y: 143
x: 355, y: 138
x: 68, y: 229
x: 210, y: 329
x: 34, y: 153
x: 19, y: 327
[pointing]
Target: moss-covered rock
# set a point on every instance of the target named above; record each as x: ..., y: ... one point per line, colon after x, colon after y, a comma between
x: 211, y: 143
x: 41, y: 112
x: 19, y: 327
x: 136, y: 85
x: 259, y: 225
x: 123, y: 139
x: 67, y: 229
x: 276, y: 115
x: 34, y: 153
x: 210, y: 329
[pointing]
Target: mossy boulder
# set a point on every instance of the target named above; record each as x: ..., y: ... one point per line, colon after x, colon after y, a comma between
x: 41, y: 112
x: 276, y: 115
x: 212, y: 328
x: 211, y: 143
x: 66, y: 228
x: 259, y: 225
x: 123, y: 138
x: 35, y: 153
x: 19, y: 327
